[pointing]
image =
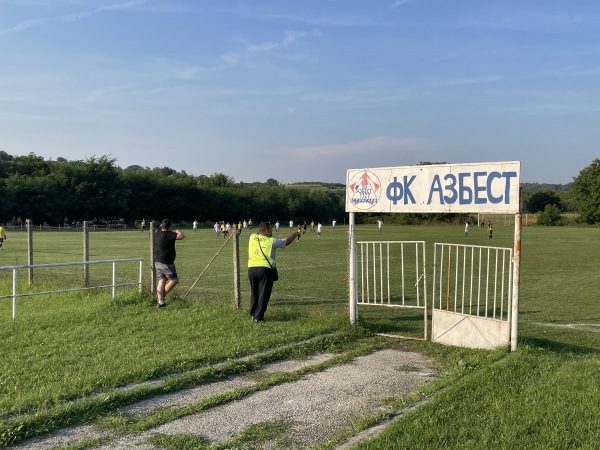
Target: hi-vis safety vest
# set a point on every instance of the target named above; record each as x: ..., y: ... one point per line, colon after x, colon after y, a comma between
x: 255, y: 256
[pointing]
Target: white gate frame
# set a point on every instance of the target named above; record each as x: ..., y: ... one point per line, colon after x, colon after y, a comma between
x: 516, y: 277
x: 378, y: 254
x: 476, y: 282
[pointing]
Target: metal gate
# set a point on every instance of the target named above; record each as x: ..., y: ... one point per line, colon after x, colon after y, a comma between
x: 392, y: 274
x: 473, y: 285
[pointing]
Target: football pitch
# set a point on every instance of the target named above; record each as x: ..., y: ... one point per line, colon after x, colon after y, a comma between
x: 71, y: 346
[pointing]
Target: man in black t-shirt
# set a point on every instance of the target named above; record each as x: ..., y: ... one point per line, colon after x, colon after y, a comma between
x: 164, y: 261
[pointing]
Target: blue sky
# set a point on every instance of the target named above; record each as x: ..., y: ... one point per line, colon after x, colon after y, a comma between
x: 303, y: 90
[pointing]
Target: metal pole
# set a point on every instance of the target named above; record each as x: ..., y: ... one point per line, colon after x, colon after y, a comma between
x: 352, y: 299
x: 114, y: 280
x: 29, y: 250
x: 141, y: 273
x: 424, y: 290
x: 86, y: 254
x: 237, y: 294
x: 514, y: 325
x: 14, y: 303
x: 152, y: 268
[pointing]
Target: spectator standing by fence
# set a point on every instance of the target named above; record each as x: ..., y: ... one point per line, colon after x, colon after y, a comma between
x: 262, y: 248
x: 2, y: 237
x: 164, y: 245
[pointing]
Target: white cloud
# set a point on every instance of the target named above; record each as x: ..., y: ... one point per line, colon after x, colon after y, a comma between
x: 530, y: 21
x: 398, y: 3
x: 252, y: 50
x: 32, y: 23
x: 100, y: 94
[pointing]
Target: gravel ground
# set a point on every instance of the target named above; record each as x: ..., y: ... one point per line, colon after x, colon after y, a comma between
x: 319, y: 406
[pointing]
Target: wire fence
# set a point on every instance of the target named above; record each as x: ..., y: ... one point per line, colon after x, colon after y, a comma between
x: 313, y: 269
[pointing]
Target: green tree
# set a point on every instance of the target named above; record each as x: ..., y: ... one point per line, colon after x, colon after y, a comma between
x: 47, y: 191
x: 220, y: 180
x: 538, y: 201
x: 31, y: 197
x: 550, y: 216
x: 586, y: 193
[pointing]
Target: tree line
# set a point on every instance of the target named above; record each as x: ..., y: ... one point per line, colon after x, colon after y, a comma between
x: 46, y: 191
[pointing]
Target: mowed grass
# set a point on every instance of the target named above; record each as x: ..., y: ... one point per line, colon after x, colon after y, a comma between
x: 67, y: 346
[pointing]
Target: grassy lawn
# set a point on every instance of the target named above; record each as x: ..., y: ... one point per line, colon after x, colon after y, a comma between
x: 83, y: 346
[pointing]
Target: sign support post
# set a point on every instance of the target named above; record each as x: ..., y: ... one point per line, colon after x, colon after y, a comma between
x: 352, y: 294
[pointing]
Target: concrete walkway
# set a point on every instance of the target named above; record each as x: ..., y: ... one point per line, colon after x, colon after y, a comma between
x: 318, y: 407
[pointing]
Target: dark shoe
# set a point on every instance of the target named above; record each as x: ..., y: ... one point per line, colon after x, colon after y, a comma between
x: 164, y: 305
x: 257, y: 320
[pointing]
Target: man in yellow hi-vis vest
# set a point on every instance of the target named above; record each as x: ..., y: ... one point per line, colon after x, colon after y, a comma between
x: 262, y: 248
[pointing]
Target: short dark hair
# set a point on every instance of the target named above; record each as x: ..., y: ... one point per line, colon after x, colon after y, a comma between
x: 264, y: 226
x: 165, y: 224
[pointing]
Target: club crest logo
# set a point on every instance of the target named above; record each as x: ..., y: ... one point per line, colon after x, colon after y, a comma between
x: 365, y: 190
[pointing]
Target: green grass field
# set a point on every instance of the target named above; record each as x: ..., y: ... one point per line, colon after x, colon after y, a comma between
x: 65, y: 355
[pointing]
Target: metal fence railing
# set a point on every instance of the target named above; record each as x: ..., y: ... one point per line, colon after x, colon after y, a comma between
x: 113, y: 283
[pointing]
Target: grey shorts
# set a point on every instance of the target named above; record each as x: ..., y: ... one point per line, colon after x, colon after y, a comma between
x: 167, y: 271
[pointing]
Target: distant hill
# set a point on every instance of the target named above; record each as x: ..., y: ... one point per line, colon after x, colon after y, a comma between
x: 532, y: 188
x: 318, y: 184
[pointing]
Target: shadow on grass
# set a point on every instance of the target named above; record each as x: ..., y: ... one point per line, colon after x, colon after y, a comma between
x: 309, y: 302
x: 559, y: 347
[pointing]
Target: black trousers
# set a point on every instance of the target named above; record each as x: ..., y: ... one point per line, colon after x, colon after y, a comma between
x: 261, y: 286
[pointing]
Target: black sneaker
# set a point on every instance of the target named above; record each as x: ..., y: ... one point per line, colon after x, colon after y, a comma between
x: 161, y: 305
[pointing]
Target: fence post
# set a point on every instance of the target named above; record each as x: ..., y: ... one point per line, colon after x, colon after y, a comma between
x: 237, y: 294
x: 152, y: 268
x: 29, y: 250
x: 514, y: 324
x: 86, y: 254
x: 352, y: 293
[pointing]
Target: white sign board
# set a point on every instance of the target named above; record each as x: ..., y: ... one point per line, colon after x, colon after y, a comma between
x: 437, y: 188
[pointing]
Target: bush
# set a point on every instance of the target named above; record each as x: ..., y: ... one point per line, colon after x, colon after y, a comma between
x: 550, y: 216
